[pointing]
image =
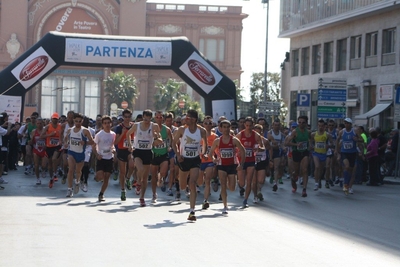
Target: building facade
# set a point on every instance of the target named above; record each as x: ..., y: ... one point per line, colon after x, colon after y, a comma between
x: 214, y: 30
x: 354, y: 41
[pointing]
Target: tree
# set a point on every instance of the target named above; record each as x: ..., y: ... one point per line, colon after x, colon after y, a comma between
x: 167, y: 94
x: 120, y: 87
x: 239, y: 93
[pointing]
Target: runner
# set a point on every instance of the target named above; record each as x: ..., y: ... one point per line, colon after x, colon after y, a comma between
x: 188, y: 155
x: 276, y: 139
x: 160, y: 162
x: 78, y: 137
x: 64, y: 149
x: 52, y: 135
x: 146, y: 134
x: 207, y: 163
x: 227, y: 160
x: 88, y: 156
x: 104, y: 151
x: 299, y: 139
x: 171, y: 154
x: 262, y: 162
x: 39, y: 150
x: 252, y: 143
x: 28, y: 130
x: 331, y: 162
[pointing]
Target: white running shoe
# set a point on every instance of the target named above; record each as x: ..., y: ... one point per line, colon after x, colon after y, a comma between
x: 38, y: 181
x: 316, y: 186
x: 70, y: 193
x: 154, y: 199
x: 76, y: 187
x: 84, y: 187
x: 2, y: 181
x: 351, y: 190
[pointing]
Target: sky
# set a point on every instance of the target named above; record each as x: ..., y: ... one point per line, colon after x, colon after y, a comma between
x: 253, y: 36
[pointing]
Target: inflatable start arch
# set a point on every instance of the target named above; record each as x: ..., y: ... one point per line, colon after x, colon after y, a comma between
x: 178, y: 54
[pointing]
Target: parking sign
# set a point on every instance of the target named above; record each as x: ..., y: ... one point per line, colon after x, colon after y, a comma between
x: 303, y: 102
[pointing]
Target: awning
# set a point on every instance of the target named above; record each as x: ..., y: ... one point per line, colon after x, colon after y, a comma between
x: 373, y: 112
x: 351, y: 102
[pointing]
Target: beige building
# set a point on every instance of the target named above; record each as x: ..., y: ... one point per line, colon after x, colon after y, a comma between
x: 354, y: 41
x: 214, y: 30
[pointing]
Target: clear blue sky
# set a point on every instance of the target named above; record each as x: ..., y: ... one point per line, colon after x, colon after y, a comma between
x: 254, y: 30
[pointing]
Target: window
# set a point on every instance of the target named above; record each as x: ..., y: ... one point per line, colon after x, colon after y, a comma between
x: 49, y: 96
x: 371, y: 44
x: 388, y: 41
x: 295, y: 63
x: 213, y: 49
x: 305, y: 61
x: 70, y: 94
x: 341, y: 55
x: 328, y: 57
x: 316, y: 59
x: 92, y: 97
x: 355, y: 47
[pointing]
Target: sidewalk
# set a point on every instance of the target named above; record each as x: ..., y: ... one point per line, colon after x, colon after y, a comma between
x: 392, y: 180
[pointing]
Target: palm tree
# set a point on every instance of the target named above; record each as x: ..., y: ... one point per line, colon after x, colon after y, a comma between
x: 120, y: 87
x: 167, y: 94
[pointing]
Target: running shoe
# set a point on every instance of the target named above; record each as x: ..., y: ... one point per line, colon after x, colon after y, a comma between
x: 225, y: 211
x: 304, y: 193
x: 271, y: 180
x: 70, y: 193
x: 192, y: 216
x: 51, y: 182
x: 101, y: 198
x: 337, y: 181
x: 164, y: 186
x: 294, y: 185
x: 115, y: 175
x: 76, y: 187
x: 351, y: 191
x: 255, y: 200
x: 206, y: 205
x: 137, y: 189
x: 27, y: 171
x: 327, y: 185
x: 178, y: 196
x: 245, y: 204
x: 84, y: 187
x: 187, y: 192
x: 55, y: 178
x: 123, y: 195
x: 128, y: 184
x: 280, y: 181
x: 345, y: 190
x: 220, y: 197
x: 169, y: 193
x: 214, y: 184
x: 260, y: 196
x: 316, y: 186
x: 241, y: 192
x: 38, y: 181
x: 331, y: 182
x: 275, y: 187
x: 142, y: 203
x: 64, y: 179
x: 154, y: 199
x: 2, y: 181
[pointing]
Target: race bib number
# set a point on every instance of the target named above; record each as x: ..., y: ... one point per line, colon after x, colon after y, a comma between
x: 191, y: 152
x: 161, y: 146
x: 106, y: 151
x: 75, y: 142
x: 126, y: 143
x: 302, y: 146
x: 54, y: 141
x: 329, y: 152
x: 226, y: 153
x: 260, y: 156
x: 347, y: 145
x: 40, y: 143
x: 320, y: 145
x: 144, y: 145
x: 249, y: 152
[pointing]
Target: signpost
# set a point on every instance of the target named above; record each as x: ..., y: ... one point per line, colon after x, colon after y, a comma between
x: 397, y: 105
x: 332, y: 96
x: 269, y: 108
x: 303, y: 102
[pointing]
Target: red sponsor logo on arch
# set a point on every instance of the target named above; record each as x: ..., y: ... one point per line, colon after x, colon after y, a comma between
x: 201, y: 72
x: 33, y: 68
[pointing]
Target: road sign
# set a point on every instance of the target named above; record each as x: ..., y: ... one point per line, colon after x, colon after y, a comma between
x: 269, y: 108
x: 303, y: 102
x: 332, y: 97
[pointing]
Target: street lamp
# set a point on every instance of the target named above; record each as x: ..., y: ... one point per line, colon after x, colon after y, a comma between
x: 266, y: 53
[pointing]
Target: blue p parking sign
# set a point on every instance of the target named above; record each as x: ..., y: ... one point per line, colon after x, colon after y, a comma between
x: 303, y: 102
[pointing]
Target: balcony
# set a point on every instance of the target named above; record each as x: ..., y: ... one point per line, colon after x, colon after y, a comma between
x: 371, y: 61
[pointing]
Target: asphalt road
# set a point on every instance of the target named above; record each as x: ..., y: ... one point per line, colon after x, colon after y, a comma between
x: 41, y: 227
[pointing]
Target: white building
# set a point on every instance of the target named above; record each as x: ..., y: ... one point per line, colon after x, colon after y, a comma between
x: 353, y: 41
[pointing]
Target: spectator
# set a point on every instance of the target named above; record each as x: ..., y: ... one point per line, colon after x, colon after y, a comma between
x: 391, y: 152
x: 373, y: 159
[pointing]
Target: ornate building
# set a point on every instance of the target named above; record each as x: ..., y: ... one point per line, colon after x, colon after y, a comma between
x: 214, y: 30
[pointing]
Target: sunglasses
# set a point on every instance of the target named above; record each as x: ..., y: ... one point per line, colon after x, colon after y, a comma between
x: 80, y: 121
x: 208, y: 123
x: 179, y: 122
x: 159, y: 117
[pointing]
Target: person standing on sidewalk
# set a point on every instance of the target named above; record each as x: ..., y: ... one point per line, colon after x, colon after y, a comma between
x: 5, y: 129
x: 373, y: 158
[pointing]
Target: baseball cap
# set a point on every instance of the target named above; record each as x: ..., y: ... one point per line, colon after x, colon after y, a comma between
x: 348, y: 120
x: 294, y: 124
x: 120, y: 118
x: 55, y: 116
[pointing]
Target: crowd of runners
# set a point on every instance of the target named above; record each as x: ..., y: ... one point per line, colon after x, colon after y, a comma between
x: 180, y: 154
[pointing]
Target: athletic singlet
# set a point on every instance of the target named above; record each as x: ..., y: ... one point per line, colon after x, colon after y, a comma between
x: 162, y: 149
x: 302, y: 139
x: 39, y: 144
x: 278, y: 138
x: 123, y: 142
x: 226, y: 152
x: 248, y: 143
x: 190, y: 143
x: 53, y: 141
x: 348, y: 144
x: 67, y: 127
x: 143, y: 139
x: 320, y: 143
x: 210, y: 141
x: 105, y: 143
x: 217, y: 131
x: 75, y: 139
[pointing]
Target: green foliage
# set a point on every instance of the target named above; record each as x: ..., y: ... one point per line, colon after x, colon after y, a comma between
x: 120, y: 87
